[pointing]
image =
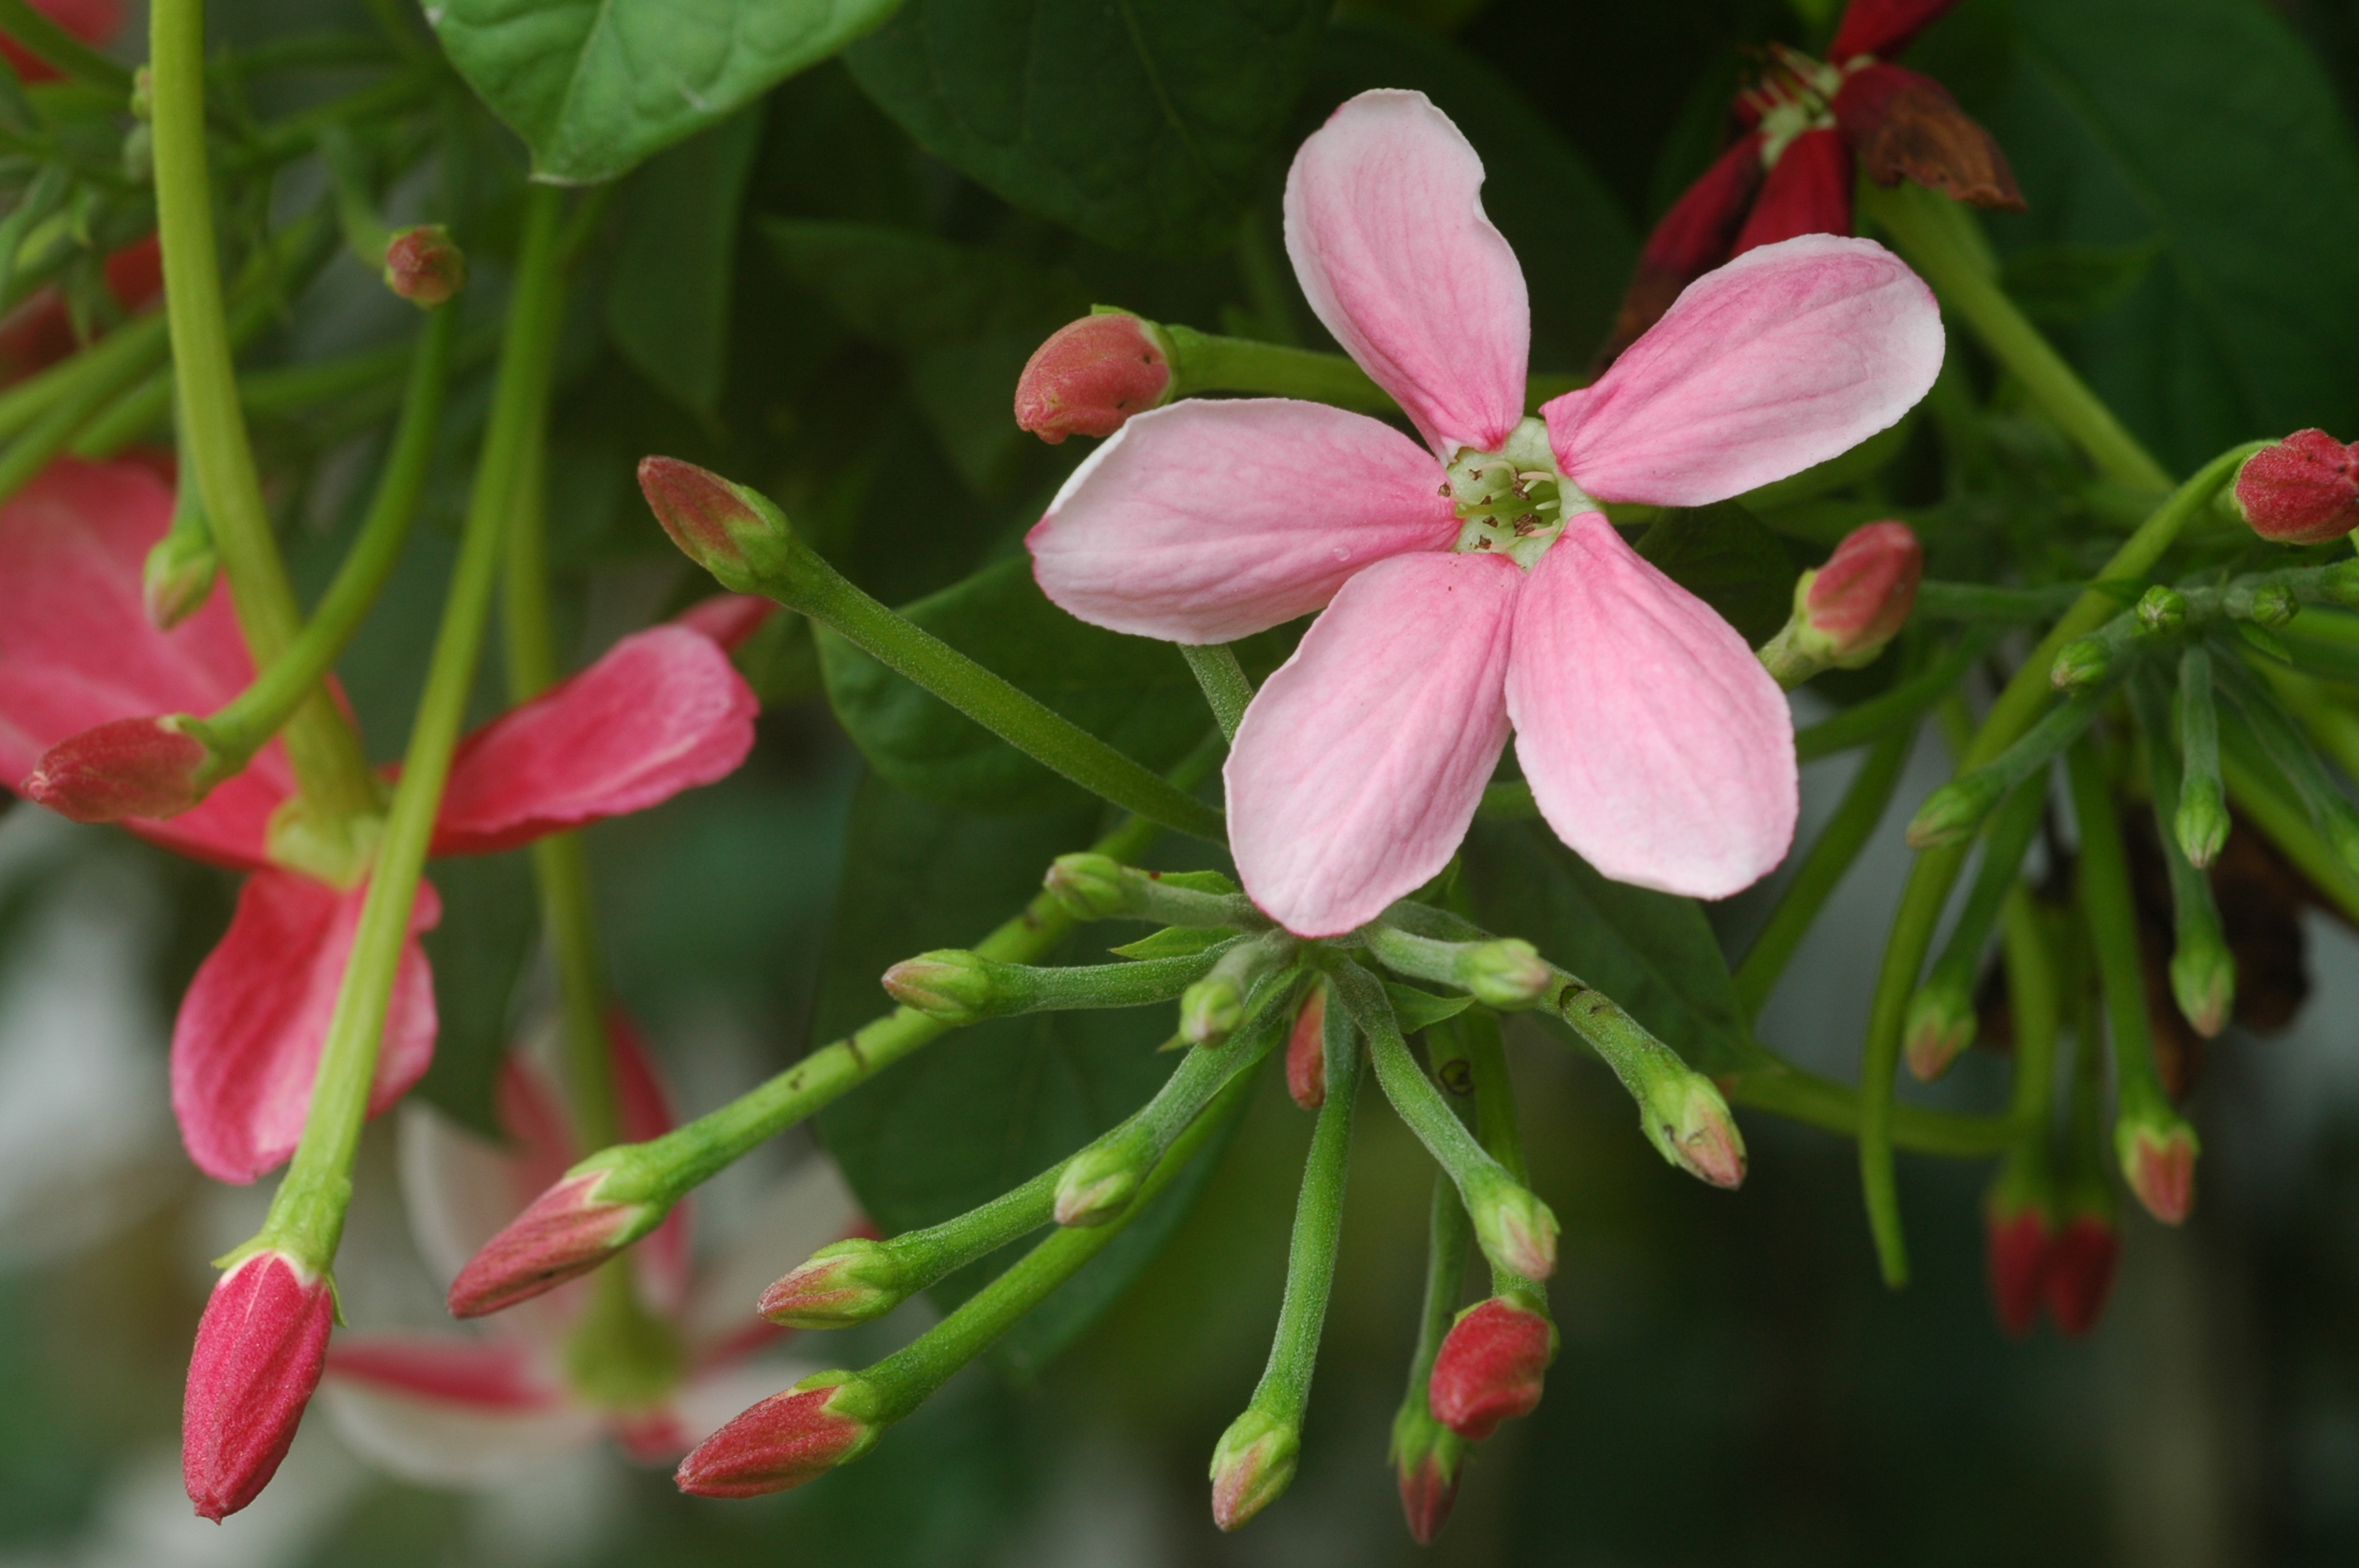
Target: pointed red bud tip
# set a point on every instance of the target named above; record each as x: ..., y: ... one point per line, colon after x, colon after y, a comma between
x: 844, y: 1283
x: 787, y: 1440
x: 1090, y: 377
x: 2081, y: 1263
x: 566, y: 1232
x: 2302, y: 491
x: 1306, y: 1052
x: 1251, y: 1466
x: 130, y: 767
x: 2159, y: 1163
x: 1861, y: 597
x: 260, y: 1348
x: 707, y: 517
x: 1429, y: 1490
x: 1517, y: 1230
x: 1491, y: 1366
x: 423, y: 266
x: 2016, y: 1247
x: 1902, y: 126
x: 1941, y: 1024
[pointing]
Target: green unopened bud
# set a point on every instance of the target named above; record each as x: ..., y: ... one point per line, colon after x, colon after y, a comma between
x: 738, y: 535
x: 2161, y: 609
x: 1508, y: 973
x: 1955, y: 810
x: 1251, y: 1466
x: 950, y: 984
x: 2202, y: 824
x: 842, y: 1284
x: 2339, y: 584
x: 1518, y: 1232
x: 2267, y: 605
x: 2082, y: 661
x: 143, y: 94
x: 1088, y: 887
x: 2158, y: 1151
x: 1941, y: 1025
x: 139, y: 153
x: 1211, y: 1010
x: 177, y: 576
x: 2204, y: 981
x: 1099, y: 1183
x: 1689, y: 1123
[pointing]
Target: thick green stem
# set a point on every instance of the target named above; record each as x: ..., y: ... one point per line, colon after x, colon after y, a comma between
x: 1839, y: 844
x: 2203, y: 970
x: 1202, y: 363
x: 1939, y: 237
x: 308, y: 1215
x: 336, y: 783
x: 1936, y: 871
x: 1284, y: 1392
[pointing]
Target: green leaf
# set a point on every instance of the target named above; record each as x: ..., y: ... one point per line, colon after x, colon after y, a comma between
x: 1173, y: 942
x: 1652, y: 952
x: 1135, y: 694
x: 477, y: 952
x: 988, y: 1107
x: 913, y: 292
x: 1419, y: 1010
x: 2204, y: 128
x: 1729, y: 558
x: 667, y: 297
x: 2067, y: 283
x: 1143, y: 125
x: 595, y: 86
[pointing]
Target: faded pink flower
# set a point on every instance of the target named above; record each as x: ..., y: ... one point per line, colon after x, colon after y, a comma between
x: 462, y: 1409
x: 661, y: 712
x: 1474, y: 586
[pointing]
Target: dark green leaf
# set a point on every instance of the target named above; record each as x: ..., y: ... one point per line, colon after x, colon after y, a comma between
x: 478, y: 953
x: 913, y: 292
x: 667, y: 297
x: 1652, y: 952
x: 2067, y: 283
x: 595, y: 86
x: 1419, y: 1010
x: 1134, y: 694
x: 1141, y: 123
x: 1727, y: 557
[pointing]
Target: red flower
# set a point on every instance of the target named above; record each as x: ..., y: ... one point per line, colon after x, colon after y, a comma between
x: 661, y: 712
x: 1803, y: 126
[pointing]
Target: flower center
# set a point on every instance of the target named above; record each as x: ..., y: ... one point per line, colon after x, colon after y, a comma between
x: 1794, y: 95
x: 1513, y: 501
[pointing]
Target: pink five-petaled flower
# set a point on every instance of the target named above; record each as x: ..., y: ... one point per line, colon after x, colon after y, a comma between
x: 257, y: 1358
x: 466, y: 1409
x: 661, y: 712
x: 1477, y: 585
x: 1789, y: 171
x: 1491, y: 1366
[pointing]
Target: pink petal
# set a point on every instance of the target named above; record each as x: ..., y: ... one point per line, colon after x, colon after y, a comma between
x: 1785, y: 357
x: 1654, y: 743
x: 1360, y: 762
x: 77, y: 650
x: 803, y: 1211
x: 1385, y: 223
x: 728, y: 618
x: 247, y: 1044
x: 661, y: 712
x: 450, y: 1413
x: 480, y: 1374
x: 1205, y: 522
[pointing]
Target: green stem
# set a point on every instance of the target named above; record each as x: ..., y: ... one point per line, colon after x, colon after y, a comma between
x: 2035, y: 995
x: 1471, y: 1045
x: 1936, y: 871
x: 1202, y: 363
x: 2281, y: 741
x: 2284, y: 824
x: 1838, y: 845
x: 2202, y: 971
x: 247, y: 721
x: 1789, y: 1091
x: 308, y: 1214
x: 332, y: 774
x: 1284, y: 1392
x: 2111, y: 910
x: 1879, y: 716
x: 1226, y: 689
x: 1939, y: 237
x: 52, y: 43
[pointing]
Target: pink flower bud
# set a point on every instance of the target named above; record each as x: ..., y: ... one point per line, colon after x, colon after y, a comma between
x: 2158, y: 1161
x: 1251, y: 1466
x: 566, y: 1232
x: 2080, y: 1271
x: 1861, y: 597
x: 712, y: 520
x: 783, y: 1442
x: 1690, y: 1124
x: 842, y: 1283
x: 1090, y: 377
x: 2017, y: 1245
x: 2300, y: 492
x: 129, y: 767
x: 1306, y: 1052
x: 1428, y: 1488
x: 260, y: 1348
x: 423, y: 266
x: 1491, y: 1366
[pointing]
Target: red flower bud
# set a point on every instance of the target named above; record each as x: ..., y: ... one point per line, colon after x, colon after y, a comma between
x: 1692, y: 238
x: 130, y: 767
x: 1251, y: 1466
x: 2017, y: 1249
x: 1429, y: 1489
x: 842, y: 1283
x: 260, y: 1348
x: 2081, y: 1263
x: 1808, y: 191
x: 1306, y: 1052
x: 2300, y: 492
x: 566, y: 1232
x: 1883, y: 26
x: 1861, y: 597
x: 784, y: 1441
x: 1491, y: 1366
x: 1902, y: 125
x: 2158, y: 1159
x: 1091, y: 376
x: 423, y: 266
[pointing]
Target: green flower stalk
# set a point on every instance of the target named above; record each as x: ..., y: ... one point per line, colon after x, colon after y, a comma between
x: 1098, y: 887
x: 1506, y: 972
x: 2281, y: 741
x: 1212, y: 1008
x: 1952, y: 813
x: 1941, y: 1021
x: 961, y: 987
x: 2203, y: 970
x: 2200, y: 827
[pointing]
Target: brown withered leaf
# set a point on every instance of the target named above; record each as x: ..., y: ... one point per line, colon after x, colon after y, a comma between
x: 1902, y: 125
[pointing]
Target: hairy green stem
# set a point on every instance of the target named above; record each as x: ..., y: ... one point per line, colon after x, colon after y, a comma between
x: 1226, y: 689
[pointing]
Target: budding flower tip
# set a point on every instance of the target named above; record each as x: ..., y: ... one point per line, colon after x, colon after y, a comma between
x: 1859, y: 601
x: 1508, y: 973
x: 260, y: 1349
x: 784, y: 1441
x: 950, y: 984
x: 1092, y: 376
x: 1492, y: 1367
x: 1306, y: 1052
x: 2081, y: 1264
x: 2301, y: 491
x: 712, y: 520
x: 423, y: 266
x: 2203, y: 982
x: 1429, y: 1490
x: 842, y: 1284
x: 565, y: 1232
x: 176, y: 576
x: 126, y: 767
x: 1087, y: 886
x: 1251, y: 1466
x: 2017, y: 1244
x: 1941, y: 1025
x: 1520, y: 1231
x: 1211, y: 1010
x: 2159, y: 1163
x: 1095, y: 1188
